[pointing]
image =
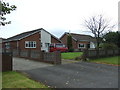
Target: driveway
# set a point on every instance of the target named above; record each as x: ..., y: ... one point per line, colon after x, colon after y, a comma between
x: 76, y: 75
x: 26, y: 64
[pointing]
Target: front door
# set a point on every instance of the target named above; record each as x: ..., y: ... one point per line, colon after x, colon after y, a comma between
x: 47, y: 47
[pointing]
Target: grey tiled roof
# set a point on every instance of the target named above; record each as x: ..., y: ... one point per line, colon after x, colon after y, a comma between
x: 20, y: 36
x: 25, y: 34
x: 82, y: 37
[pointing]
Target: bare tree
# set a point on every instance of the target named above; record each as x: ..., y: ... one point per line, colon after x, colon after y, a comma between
x: 97, y: 25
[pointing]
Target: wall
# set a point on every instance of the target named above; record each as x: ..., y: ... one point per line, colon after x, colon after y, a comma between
x: 34, y: 37
x: 52, y: 57
x: 64, y: 40
x: 74, y: 43
x: 45, y: 38
x: 54, y: 40
x: 13, y: 44
x: 102, y: 53
x: 92, y: 45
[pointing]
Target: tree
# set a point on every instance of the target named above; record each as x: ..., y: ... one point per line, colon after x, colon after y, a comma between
x: 108, y: 46
x: 97, y: 25
x: 69, y: 43
x: 112, y: 37
x: 5, y: 9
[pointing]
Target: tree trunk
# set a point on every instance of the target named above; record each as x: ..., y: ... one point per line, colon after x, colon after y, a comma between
x: 98, y: 47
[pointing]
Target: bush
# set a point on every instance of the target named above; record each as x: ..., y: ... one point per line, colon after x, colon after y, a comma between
x: 70, y: 50
x: 107, y: 46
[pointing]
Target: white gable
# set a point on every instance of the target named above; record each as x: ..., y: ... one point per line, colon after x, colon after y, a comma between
x: 45, y: 39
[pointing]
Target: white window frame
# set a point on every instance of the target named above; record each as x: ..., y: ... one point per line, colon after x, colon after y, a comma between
x: 79, y: 45
x: 47, y: 45
x: 41, y: 44
x: 30, y: 44
x: 7, y: 45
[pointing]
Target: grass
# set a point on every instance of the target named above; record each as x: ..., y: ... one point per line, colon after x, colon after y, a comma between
x: 108, y: 60
x: 70, y: 55
x: 18, y: 80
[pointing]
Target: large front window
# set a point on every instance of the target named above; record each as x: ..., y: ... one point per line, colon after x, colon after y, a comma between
x: 81, y: 45
x: 30, y: 44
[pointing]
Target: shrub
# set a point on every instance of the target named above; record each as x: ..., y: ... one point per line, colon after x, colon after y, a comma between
x: 69, y: 43
x: 107, y: 46
x: 70, y: 50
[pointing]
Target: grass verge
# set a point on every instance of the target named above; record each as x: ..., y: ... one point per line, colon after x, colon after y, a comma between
x: 14, y: 79
x: 108, y: 60
x: 71, y: 55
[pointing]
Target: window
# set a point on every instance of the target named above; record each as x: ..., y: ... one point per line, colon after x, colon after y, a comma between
x: 41, y: 44
x: 88, y: 45
x: 52, y: 45
x: 46, y: 44
x: 7, y: 45
x: 81, y: 45
x: 30, y: 44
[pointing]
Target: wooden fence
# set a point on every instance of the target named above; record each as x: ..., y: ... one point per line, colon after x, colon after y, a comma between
x: 6, y: 61
x: 49, y: 57
x: 102, y: 53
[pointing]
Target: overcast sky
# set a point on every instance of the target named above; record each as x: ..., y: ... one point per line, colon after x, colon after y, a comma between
x: 57, y: 16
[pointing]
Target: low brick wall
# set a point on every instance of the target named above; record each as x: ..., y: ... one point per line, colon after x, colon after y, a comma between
x: 53, y: 56
x: 6, y: 61
x: 49, y: 57
x: 102, y: 53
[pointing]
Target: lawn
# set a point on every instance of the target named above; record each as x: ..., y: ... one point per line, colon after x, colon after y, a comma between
x: 107, y: 60
x: 70, y: 55
x: 18, y: 80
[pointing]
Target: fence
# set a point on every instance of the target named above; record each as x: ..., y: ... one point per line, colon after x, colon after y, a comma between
x: 102, y: 53
x: 49, y: 57
x: 6, y: 61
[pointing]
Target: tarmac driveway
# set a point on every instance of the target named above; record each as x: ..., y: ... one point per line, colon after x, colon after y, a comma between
x: 77, y: 75
x: 26, y: 64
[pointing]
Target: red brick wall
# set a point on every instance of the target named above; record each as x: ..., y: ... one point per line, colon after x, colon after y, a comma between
x: 74, y: 43
x: 54, y: 40
x: 64, y: 40
x: 13, y: 44
x: 34, y: 37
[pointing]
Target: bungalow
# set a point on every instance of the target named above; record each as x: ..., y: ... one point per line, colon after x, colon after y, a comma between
x: 79, y: 41
x: 38, y: 39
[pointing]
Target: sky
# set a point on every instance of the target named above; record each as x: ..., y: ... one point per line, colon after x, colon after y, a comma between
x: 57, y: 16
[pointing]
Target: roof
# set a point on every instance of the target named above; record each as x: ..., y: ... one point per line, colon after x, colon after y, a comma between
x: 26, y: 34
x: 80, y: 37
x: 22, y: 35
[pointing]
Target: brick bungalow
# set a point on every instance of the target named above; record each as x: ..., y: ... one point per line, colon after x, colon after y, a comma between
x: 38, y: 39
x: 79, y: 41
